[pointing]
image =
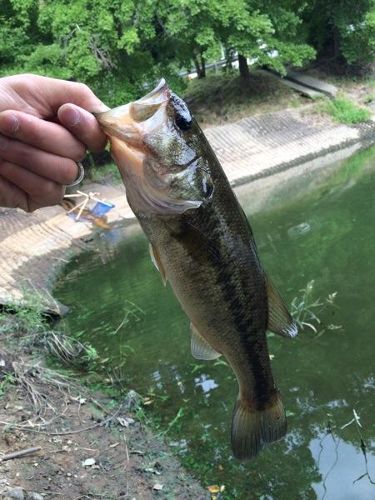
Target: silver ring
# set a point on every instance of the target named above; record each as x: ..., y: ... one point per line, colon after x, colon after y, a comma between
x: 81, y: 175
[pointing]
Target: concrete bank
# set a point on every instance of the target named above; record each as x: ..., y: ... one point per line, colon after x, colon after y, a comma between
x: 34, y: 247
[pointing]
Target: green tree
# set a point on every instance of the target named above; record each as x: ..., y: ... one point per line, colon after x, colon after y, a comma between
x: 121, y: 46
x: 113, y: 46
x: 267, y: 33
x: 190, y: 31
x: 342, y: 30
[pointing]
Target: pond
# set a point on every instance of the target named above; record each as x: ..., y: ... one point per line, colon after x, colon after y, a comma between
x: 317, y: 241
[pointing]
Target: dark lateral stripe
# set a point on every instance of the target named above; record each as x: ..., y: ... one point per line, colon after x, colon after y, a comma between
x: 253, y: 343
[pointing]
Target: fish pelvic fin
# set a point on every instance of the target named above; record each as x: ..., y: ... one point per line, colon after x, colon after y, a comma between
x: 200, y: 348
x: 279, y: 319
x: 252, y: 428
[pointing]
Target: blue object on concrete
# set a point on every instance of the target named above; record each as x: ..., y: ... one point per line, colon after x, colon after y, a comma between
x: 101, y: 208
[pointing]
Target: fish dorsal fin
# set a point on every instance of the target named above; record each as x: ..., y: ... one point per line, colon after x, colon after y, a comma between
x: 200, y: 348
x: 157, y: 263
x: 279, y: 319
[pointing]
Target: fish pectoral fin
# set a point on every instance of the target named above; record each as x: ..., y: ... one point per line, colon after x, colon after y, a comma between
x: 279, y: 319
x: 157, y: 263
x: 200, y: 348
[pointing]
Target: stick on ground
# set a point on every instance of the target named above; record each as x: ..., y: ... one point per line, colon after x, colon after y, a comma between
x: 20, y: 453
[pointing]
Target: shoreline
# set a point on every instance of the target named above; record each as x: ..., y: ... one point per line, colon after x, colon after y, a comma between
x: 34, y: 247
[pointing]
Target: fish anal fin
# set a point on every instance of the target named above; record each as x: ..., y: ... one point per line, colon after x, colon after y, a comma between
x: 200, y: 348
x: 252, y: 428
x: 279, y: 319
x: 157, y: 263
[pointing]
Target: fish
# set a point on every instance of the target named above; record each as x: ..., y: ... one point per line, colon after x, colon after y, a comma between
x: 203, y: 246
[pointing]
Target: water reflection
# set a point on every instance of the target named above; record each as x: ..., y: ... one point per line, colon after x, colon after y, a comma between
x: 126, y: 313
x: 342, y: 468
x: 206, y: 383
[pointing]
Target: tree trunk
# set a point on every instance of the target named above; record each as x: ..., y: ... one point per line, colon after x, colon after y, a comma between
x: 243, y: 67
x: 336, y: 43
x: 200, y: 66
x: 197, y: 67
x: 203, y: 67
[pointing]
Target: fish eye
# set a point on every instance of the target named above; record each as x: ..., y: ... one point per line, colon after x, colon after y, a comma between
x: 183, y: 122
x: 182, y: 116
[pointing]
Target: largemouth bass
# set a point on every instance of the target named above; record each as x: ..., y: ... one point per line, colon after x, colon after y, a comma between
x: 202, y: 244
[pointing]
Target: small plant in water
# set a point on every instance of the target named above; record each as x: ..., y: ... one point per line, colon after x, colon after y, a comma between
x: 91, y: 355
x: 305, y: 309
x: 175, y: 421
x: 132, y: 312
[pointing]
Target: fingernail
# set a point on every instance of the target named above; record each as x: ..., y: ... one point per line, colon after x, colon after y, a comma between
x: 72, y: 117
x: 9, y: 124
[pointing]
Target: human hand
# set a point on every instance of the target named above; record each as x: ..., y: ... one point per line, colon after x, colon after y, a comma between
x: 46, y: 126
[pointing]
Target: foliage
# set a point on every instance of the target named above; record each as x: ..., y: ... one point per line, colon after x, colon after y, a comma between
x: 24, y: 317
x: 122, y: 47
x: 110, y: 47
x: 5, y: 383
x: 266, y: 33
x: 344, y: 111
x: 28, y: 321
x: 342, y: 29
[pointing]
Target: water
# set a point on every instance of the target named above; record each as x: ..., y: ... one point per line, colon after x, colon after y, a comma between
x: 121, y: 307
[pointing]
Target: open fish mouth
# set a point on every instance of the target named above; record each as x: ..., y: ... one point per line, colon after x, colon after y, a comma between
x: 161, y: 171
x: 130, y: 121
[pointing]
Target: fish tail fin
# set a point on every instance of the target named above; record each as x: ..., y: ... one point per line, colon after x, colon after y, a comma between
x: 274, y: 424
x: 251, y: 428
x: 246, y: 431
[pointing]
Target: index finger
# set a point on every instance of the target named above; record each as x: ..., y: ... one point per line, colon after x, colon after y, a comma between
x: 45, y: 95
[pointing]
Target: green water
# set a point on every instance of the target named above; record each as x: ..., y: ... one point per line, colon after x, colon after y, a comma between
x: 119, y: 304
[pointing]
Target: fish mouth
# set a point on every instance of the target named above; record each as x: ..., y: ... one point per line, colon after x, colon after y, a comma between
x: 130, y: 121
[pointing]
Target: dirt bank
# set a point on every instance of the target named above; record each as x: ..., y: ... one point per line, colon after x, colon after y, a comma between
x: 84, y: 444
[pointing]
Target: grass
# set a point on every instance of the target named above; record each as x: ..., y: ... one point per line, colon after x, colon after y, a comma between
x: 24, y: 318
x: 223, y: 98
x: 345, y: 111
x: 28, y: 323
x: 226, y: 98
x: 5, y: 383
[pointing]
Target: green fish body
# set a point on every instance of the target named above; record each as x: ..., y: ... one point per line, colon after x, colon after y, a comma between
x: 202, y: 244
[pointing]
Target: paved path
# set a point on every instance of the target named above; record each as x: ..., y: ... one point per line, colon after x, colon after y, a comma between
x: 33, y: 247
x: 262, y: 145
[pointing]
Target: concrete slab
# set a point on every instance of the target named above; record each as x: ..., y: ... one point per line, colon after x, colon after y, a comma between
x: 312, y: 82
x: 302, y: 89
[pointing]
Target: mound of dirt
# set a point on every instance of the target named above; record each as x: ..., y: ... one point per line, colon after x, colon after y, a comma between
x: 83, y: 444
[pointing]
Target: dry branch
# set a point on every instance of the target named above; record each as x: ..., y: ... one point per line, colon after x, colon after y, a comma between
x: 20, y: 453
